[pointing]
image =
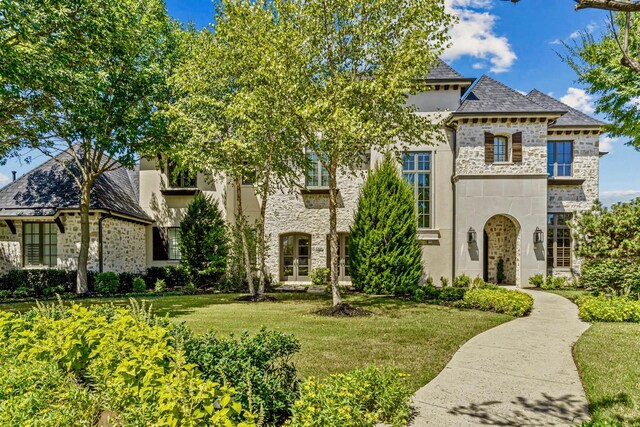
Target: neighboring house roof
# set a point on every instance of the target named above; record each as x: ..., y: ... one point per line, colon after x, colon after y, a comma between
x: 488, y: 96
x: 571, y: 118
x: 442, y: 72
x: 49, y: 188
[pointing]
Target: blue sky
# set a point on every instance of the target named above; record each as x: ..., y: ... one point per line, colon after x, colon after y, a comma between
x: 515, y: 44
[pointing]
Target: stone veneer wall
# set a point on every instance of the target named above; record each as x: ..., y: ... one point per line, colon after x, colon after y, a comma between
x: 470, y: 156
x: 123, y: 245
x: 503, y: 243
x: 10, y: 252
x: 576, y: 198
x: 69, y: 243
x: 292, y: 212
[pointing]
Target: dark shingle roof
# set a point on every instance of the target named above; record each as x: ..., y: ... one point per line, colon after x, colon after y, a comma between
x: 49, y: 188
x: 490, y: 96
x: 572, y: 117
x: 442, y: 72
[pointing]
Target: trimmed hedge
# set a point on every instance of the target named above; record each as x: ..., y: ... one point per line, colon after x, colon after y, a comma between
x: 608, y: 309
x: 616, y: 276
x: 498, y: 300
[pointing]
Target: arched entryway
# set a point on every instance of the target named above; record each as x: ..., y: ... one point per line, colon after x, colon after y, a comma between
x: 502, y: 242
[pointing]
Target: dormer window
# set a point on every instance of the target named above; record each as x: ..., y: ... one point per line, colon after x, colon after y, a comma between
x: 179, y: 179
x: 500, y: 149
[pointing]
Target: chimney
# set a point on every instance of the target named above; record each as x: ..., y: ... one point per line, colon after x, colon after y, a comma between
x: 14, y: 175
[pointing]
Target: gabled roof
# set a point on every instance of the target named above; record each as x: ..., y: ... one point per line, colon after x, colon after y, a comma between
x: 488, y: 96
x: 571, y: 118
x: 49, y: 188
x: 442, y: 72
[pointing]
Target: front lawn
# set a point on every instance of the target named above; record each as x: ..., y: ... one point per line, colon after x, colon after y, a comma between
x: 419, y: 339
x: 608, y: 358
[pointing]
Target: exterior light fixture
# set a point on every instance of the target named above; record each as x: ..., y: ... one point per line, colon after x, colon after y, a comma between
x: 538, y: 236
x: 471, y: 235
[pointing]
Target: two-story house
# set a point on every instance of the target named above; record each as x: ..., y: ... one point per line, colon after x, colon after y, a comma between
x: 512, y: 172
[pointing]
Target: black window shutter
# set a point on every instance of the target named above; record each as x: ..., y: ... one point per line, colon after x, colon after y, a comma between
x: 160, y: 244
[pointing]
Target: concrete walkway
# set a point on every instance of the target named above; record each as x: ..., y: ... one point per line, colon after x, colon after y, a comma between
x: 520, y: 373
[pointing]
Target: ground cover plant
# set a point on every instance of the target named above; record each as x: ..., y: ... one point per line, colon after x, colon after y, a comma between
x: 608, y: 308
x: 499, y: 300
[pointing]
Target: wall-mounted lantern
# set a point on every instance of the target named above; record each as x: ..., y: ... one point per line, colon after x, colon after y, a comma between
x: 538, y: 236
x: 471, y: 236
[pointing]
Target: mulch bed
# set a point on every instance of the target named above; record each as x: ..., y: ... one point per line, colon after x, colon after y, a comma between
x: 257, y: 298
x: 343, y: 310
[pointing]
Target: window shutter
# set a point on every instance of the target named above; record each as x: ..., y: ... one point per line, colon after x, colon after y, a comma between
x: 160, y: 244
x: 516, y: 147
x: 488, y: 147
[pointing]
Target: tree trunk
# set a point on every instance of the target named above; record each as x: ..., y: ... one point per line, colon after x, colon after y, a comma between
x: 262, y: 242
x: 242, y: 224
x: 82, y: 281
x: 333, y: 234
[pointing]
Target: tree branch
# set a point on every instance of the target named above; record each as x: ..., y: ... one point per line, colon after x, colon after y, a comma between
x: 614, y: 5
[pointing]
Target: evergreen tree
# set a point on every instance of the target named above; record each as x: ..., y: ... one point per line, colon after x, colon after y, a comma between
x: 203, y: 239
x: 385, y: 255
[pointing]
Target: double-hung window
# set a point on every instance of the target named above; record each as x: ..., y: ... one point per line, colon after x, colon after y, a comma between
x: 166, y: 243
x: 558, y: 240
x: 416, y: 170
x: 559, y: 158
x: 500, y: 149
x: 40, y: 244
x: 317, y: 175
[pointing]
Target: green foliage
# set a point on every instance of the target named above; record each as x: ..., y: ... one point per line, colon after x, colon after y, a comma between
x: 39, y: 283
x: 614, y: 276
x: 361, y: 398
x: 160, y: 285
x: 608, y: 309
x: 40, y: 392
x: 500, y: 271
x: 603, y: 233
x: 477, y: 282
x: 536, y: 280
x: 320, y: 276
x: 597, y: 61
x: 557, y: 282
x: 384, y: 253
x: 499, y: 300
x: 258, y: 367
x: 444, y: 282
x: 438, y: 295
x: 203, y: 239
x: 107, y: 283
x: 125, y: 360
x: 139, y: 285
x: 235, y: 278
x: 608, y: 422
x: 462, y: 281
x: 174, y: 277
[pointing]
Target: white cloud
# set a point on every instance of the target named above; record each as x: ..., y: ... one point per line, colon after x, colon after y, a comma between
x: 478, y: 66
x: 556, y: 42
x: 614, y: 196
x: 607, y: 143
x: 474, y: 35
x: 579, y: 99
x: 4, y: 179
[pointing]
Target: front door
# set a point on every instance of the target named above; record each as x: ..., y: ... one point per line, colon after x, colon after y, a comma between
x: 295, y: 258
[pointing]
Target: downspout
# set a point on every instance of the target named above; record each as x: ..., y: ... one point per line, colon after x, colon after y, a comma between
x: 100, y: 249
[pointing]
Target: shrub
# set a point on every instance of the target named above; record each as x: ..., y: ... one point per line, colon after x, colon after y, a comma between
x: 444, y: 282
x: 499, y: 300
x: 500, y: 271
x: 258, y: 367
x: 360, y: 398
x: 126, y: 282
x: 39, y: 283
x: 174, y: 276
x: 203, y: 240
x: 384, y: 254
x: 22, y: 292
x: 320, y: 276
x: 608, y: 309
x: 452, y: 294
x: 130, y: 363
x: 478, y: 282
x: 615, y: 276
x: 139, y: 285
x: 107, y: 283
x: 438, y: 295
x: 557, y: 282
x: 419, y: 295
x: 461, y: 281
x: 160, y: 285
x: 537, y: 280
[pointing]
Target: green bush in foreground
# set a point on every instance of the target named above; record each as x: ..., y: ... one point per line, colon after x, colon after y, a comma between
x: 608, y: 309
x: 361, y: 398
x: 138, y: 285
x: 615, y: 276
x: 514, y: 303
x: 125, y: 361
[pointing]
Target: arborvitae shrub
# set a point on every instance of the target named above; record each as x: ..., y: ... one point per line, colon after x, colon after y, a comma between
x: 384, y: 253
x: 203, y: 239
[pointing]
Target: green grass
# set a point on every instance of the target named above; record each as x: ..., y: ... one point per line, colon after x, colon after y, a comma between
x: 418, y: 339
x: 571, y: 294
x: 608, y: 358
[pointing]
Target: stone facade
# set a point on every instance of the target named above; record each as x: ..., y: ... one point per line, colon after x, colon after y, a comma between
x: 503, y: 244
x: 10, y: 247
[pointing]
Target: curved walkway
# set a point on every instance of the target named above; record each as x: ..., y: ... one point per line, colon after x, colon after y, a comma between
x: 520, y: 373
